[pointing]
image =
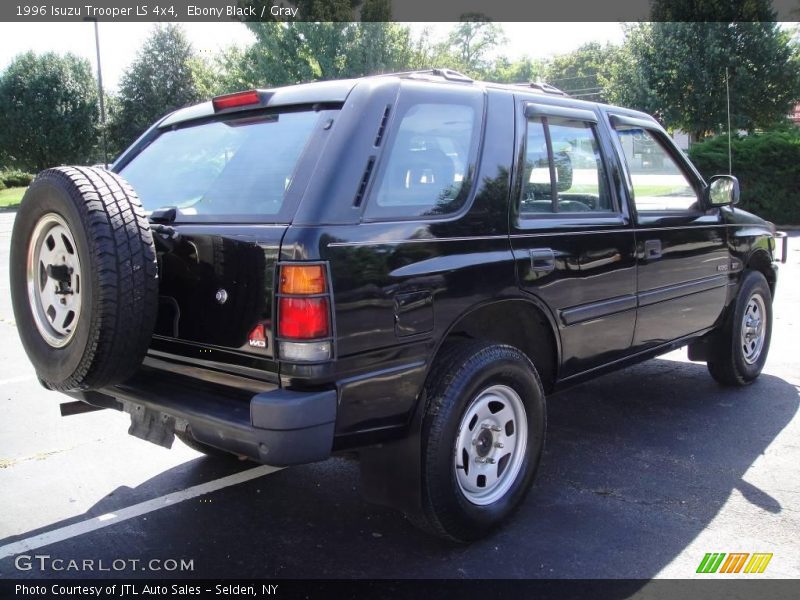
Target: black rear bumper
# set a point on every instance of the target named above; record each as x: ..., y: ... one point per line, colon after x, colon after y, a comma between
x: 268, y: 424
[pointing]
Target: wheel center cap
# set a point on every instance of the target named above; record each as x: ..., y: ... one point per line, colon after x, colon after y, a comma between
x: 484, y: 442
x: 60, y: 273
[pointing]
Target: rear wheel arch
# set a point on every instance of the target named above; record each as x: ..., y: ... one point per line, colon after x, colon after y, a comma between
x: 517, y: 322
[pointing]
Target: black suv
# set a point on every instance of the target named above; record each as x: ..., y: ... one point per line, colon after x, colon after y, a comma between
x: 398, y: 267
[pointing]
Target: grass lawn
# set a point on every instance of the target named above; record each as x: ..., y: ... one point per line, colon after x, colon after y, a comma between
x: 11, y: 197
x: 641, y: 190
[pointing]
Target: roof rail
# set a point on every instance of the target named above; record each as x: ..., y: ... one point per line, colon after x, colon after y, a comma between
x: 448, y: 74
x: 451, y: 75
x: 544, y: 87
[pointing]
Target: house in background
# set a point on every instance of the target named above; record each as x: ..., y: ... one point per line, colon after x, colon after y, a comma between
x: 795, y: 115
x: 681, y: 139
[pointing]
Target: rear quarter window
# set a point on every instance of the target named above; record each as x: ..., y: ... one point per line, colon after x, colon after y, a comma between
x: 429, y: 162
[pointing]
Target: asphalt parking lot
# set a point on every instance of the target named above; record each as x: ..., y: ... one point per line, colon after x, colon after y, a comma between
x: 645, y: 471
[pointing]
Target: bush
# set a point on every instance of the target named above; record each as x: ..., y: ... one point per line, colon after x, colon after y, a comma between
x: 2, y: 185
x: 767, y: 165
x: 16, y: 178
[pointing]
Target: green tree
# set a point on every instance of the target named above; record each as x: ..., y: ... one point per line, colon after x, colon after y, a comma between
x: 582, y: 73
x: 50, y: 113
x: 681, y: 66
x: 288, y: 53
x: 235, y: 69
x: 471, y: 43
x: 166, y: 75
x: 524, y: 70
x: 624, y: 81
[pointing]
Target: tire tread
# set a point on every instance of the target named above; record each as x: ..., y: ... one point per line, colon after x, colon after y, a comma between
x: 124, y: 275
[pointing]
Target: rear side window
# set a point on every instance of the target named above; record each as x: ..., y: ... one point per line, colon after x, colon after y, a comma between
x: 429, y: 163
x: 564, y: 170
x: 223, y: 170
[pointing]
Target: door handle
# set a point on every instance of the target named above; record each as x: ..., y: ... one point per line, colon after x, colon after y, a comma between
x: 652, y: 249
x: 543, y: 260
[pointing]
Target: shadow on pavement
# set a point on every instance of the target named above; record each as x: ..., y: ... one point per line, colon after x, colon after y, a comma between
x: 637, y: 464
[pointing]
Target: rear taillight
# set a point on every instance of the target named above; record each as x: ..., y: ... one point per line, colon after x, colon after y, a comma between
x: 302, y: 279
x: 304, y: 315
x: 303, y: 318
x: 235, y: 100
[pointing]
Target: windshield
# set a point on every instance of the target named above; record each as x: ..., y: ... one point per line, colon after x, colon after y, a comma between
x: 222, y: 170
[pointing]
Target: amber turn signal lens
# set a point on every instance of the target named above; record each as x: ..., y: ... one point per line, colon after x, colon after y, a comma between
x: 302, y: 279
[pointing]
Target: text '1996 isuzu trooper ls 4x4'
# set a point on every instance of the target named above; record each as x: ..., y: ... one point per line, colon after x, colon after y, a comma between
x: 399, y: 266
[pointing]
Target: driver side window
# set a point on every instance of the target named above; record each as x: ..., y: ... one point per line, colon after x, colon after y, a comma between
x: 563, y: 171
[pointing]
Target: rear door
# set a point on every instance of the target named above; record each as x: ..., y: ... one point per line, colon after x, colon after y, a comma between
x: 682, y: 254
x: 571, y: 236
x: 223, y: 191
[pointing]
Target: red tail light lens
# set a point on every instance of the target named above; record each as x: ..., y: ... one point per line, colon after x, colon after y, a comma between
x: 303, y: 318
x: 237, y: 99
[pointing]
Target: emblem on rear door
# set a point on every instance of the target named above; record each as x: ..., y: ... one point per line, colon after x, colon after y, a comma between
x: 222, y: 296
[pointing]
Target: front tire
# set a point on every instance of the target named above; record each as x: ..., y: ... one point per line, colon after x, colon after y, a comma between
x: 482, y: 438
x: 739, y: 350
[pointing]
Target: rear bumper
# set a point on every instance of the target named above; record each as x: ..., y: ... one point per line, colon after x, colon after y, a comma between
x: 271, y: 425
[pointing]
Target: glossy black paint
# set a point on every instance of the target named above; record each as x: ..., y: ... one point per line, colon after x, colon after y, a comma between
x: 608, y: 289
x: 216, y: 285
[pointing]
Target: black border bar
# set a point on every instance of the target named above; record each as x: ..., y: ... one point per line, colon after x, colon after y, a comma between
x: 461, y: 589
x: 369, y: 10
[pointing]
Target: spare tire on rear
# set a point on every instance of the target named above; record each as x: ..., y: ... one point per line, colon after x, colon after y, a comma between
x: 84, y: 279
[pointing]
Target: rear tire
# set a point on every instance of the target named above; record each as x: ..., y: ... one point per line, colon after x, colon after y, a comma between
x: 739, y: 350
x: 83, y: 276
x: 482, y: 438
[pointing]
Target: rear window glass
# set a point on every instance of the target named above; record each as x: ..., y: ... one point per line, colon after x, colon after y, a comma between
x: 223, y: 169
x: 428, y: 168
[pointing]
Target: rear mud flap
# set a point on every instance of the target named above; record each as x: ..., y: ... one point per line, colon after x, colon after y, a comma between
x: 152, y: 426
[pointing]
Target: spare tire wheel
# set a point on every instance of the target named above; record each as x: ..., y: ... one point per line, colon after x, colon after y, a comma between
x: 84, y: 279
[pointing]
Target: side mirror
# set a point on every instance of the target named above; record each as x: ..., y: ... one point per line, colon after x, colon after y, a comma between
x: 722, y: 190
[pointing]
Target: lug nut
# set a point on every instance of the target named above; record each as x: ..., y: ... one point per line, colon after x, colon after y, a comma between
x: 498, y: 445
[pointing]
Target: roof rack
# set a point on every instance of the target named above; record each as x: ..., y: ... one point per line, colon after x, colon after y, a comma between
x: 544, y: 87
x: 451, y: 75
x: 448, y: 74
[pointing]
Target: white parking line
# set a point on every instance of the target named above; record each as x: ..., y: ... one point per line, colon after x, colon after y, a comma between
x: 19, y: 379
x: 76, y: 529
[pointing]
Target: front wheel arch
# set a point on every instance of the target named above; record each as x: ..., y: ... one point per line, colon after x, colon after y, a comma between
x: 760, y: 261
